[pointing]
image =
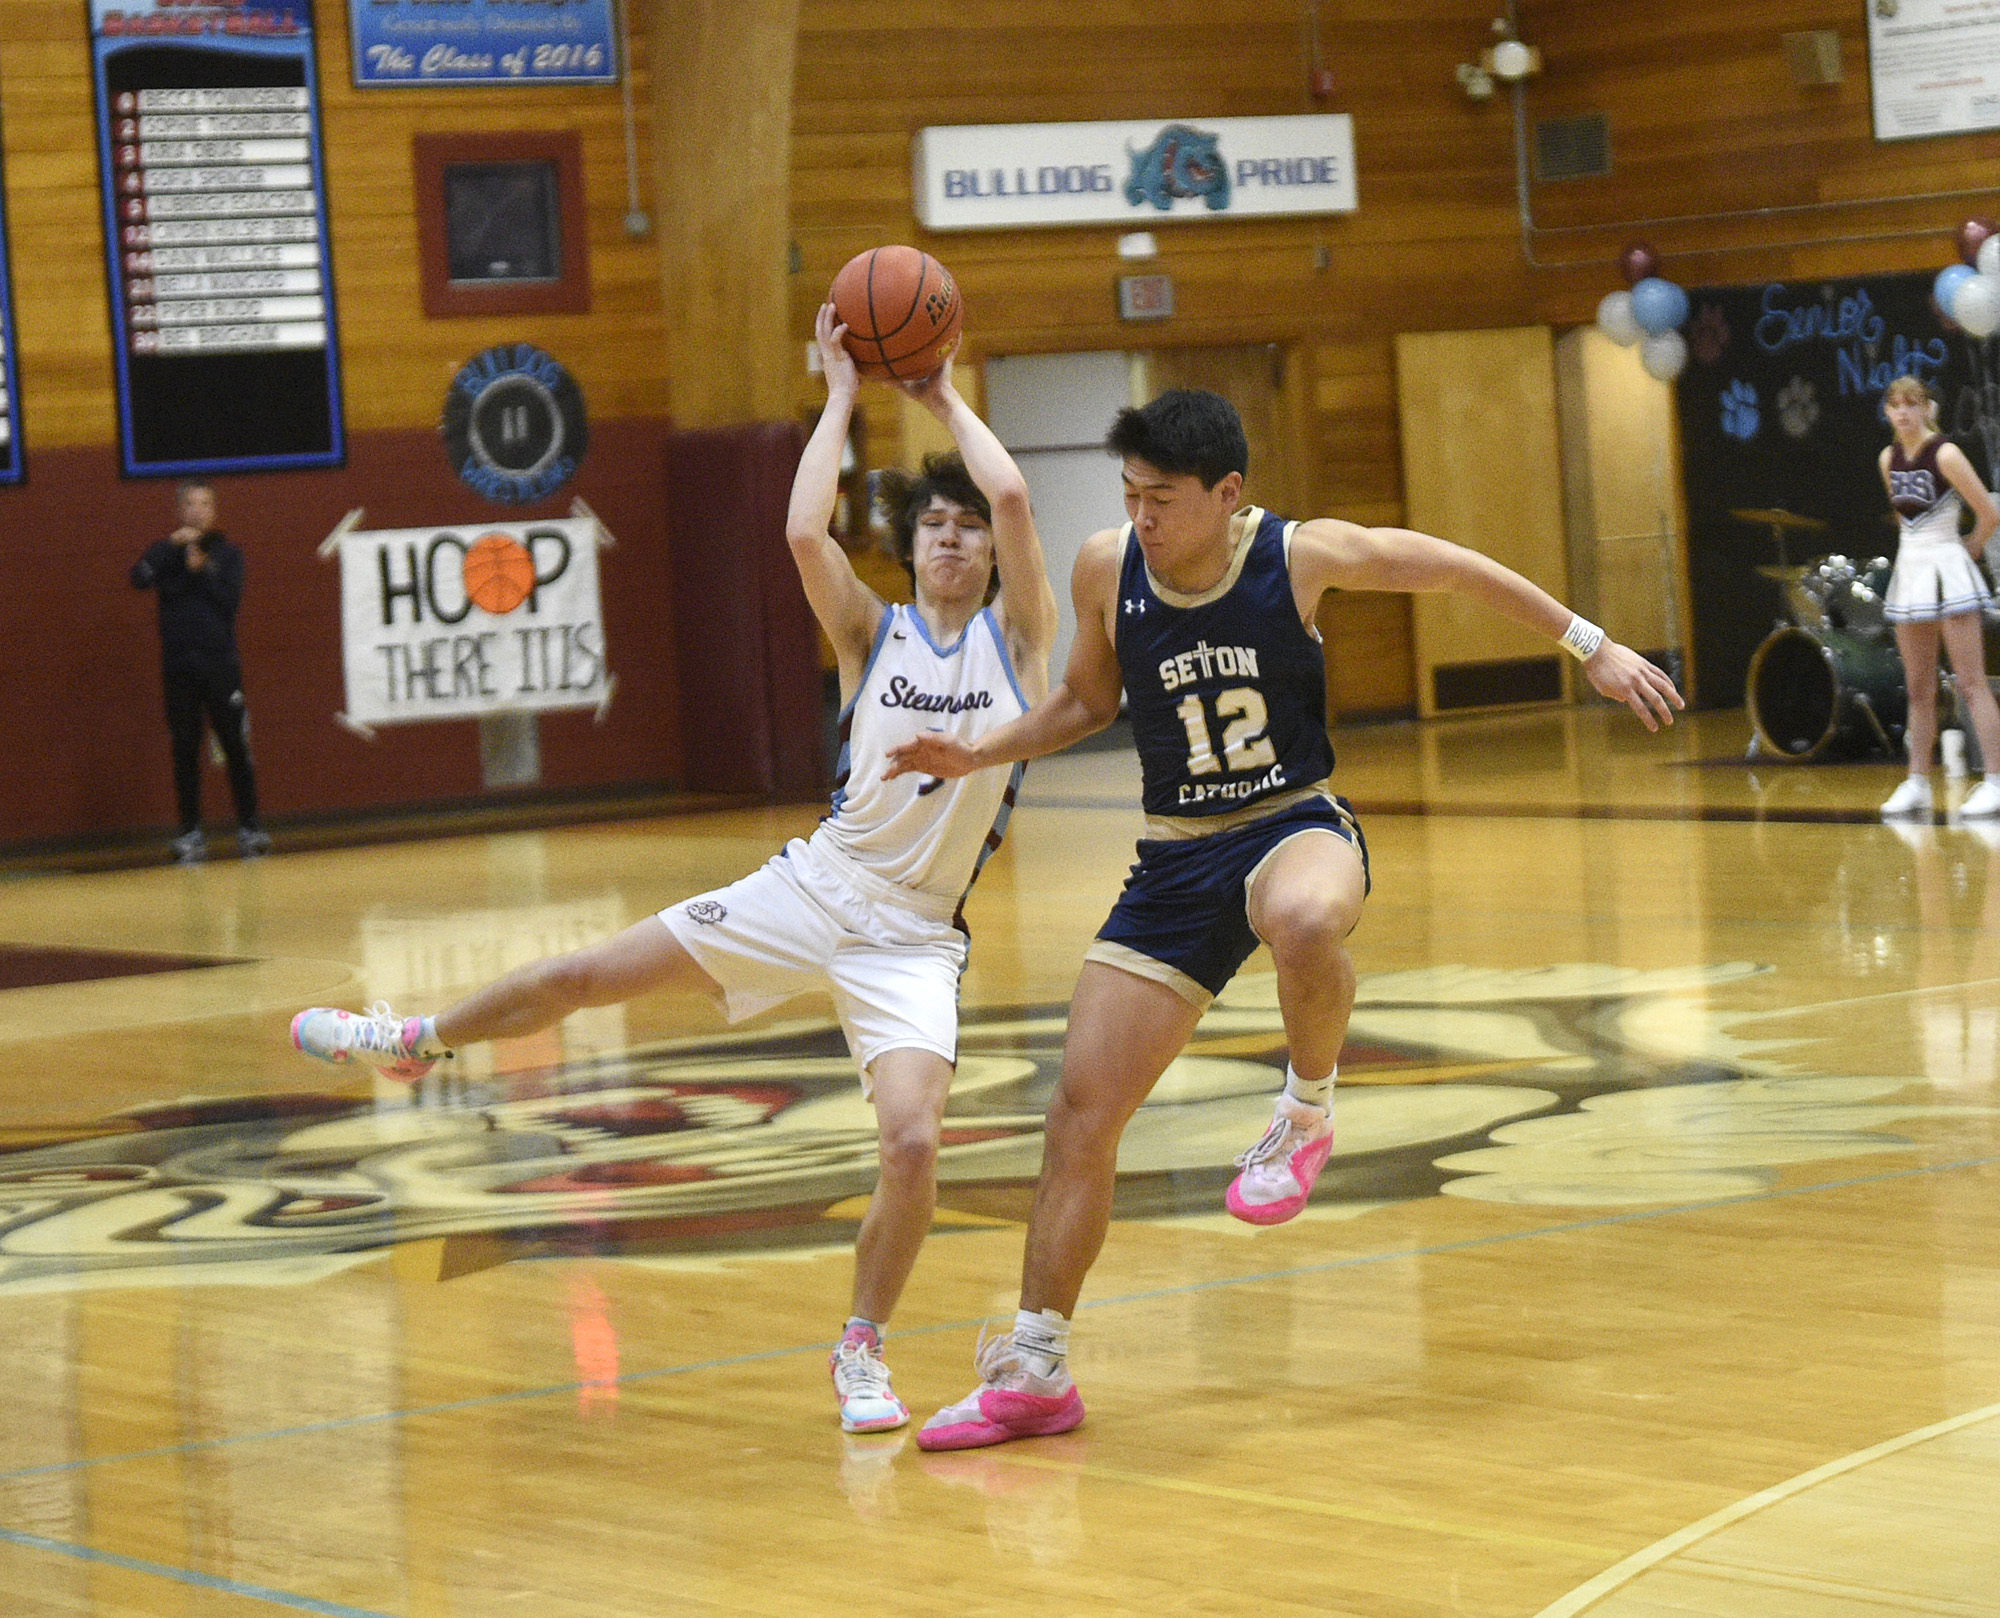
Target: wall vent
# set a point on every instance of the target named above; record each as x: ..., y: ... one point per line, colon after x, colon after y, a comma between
x: 1572, y: 148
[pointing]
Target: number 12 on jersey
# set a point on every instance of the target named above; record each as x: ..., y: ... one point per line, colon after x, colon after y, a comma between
x: 1244, y: 744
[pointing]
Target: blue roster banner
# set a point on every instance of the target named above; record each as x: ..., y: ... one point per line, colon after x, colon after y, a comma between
x: 483, y: 42
x: 222, y: 309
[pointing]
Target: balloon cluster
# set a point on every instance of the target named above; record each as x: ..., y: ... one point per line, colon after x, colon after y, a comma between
x: 1968, y: 294
x: 1650, y: 314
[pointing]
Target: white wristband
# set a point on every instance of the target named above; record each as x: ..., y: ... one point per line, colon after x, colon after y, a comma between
x: 1582, y: 637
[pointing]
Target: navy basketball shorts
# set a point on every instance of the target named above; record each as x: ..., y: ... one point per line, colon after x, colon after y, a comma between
x: 1183, y: 919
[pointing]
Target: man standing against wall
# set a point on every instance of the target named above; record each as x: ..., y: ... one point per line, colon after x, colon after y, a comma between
x: 199, y: 577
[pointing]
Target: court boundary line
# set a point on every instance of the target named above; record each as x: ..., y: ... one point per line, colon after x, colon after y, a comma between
x: 1620, y: 1574
x: 1186, y: 1289
x: 188, y: 1576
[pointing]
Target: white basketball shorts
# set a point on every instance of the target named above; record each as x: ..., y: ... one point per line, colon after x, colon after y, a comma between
x: 801, y: 923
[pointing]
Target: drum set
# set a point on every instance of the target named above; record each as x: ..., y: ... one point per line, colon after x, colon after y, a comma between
x: 1830, y: 682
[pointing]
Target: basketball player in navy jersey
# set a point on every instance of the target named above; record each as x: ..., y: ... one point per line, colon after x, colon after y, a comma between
x: 868, y: 906
x: 1202, y: 614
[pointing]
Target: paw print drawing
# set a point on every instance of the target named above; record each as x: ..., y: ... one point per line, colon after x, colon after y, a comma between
x: 1798, y: 407
x: 1739, y: 411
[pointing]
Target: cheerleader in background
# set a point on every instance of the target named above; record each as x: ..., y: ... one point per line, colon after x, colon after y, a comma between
x: 1938, y: 591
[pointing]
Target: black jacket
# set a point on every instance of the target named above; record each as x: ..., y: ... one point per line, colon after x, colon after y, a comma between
x: 197, y: 606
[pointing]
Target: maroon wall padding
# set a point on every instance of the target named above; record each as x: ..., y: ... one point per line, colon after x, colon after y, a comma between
x: 86, y: 752
x: 751, y: 687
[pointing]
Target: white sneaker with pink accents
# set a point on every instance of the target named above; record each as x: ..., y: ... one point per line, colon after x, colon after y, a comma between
x: 1278, y: 1172
x: 1011, y: 1401
x: 861, y: 1382
x: 380, y: 1038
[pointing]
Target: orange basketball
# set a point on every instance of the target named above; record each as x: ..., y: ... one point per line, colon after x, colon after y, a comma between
x: 902, y: 312
x: 499, y: 573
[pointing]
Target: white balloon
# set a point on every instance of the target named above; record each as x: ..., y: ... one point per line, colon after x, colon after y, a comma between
x: 1977, y: 306
x: 1989, y: 256
x: 1664, y: 356
x: 1617, y: 321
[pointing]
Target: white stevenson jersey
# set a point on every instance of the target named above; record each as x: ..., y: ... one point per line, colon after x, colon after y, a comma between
x: 924, y: 835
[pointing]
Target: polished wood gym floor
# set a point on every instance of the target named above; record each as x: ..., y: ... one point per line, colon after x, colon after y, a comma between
x: 1658, y: 1271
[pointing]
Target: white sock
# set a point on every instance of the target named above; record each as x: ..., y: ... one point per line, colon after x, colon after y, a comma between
x: 1042, y: 1339
x: 427, y: 1046
x: 1313, y: 1092
x: 1993, y: 778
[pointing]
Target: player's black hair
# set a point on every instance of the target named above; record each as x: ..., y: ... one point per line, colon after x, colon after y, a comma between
x: 905, y: 497
x: 1184, y: 430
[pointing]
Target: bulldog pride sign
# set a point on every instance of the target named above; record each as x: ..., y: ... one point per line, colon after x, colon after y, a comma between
x: 990, y: 176
x: 457, y: 623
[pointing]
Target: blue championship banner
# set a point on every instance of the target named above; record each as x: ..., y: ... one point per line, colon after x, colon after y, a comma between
x: 215, y: 222
x: 10, y: 380
x: 483, y: 42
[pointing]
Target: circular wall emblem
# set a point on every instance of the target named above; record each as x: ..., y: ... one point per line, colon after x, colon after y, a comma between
x: 514, y: 425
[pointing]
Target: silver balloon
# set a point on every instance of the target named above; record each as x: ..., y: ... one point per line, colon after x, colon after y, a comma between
x: 1989, y: 256
x: 1976, y: 306
x: 1616, y: 319
x: 1664, y: 356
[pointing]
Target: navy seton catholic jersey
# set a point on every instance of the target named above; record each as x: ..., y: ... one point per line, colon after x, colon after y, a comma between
x: 1227, y: 689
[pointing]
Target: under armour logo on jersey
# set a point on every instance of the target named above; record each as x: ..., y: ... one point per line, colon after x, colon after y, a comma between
x: 1135, y: 607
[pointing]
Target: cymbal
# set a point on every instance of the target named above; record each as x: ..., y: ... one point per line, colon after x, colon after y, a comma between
x: 1778, y: 518
x: 1784, y: 575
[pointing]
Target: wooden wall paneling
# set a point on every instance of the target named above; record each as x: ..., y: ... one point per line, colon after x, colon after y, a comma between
x: 1704, y: 117
x: 724, y: 138
x: 1482, y: 467
x: 1433, y: 245
x: 396, y: 362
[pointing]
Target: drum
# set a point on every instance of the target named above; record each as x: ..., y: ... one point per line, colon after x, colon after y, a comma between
x: 1854, y: 598
x: 1825, y: 694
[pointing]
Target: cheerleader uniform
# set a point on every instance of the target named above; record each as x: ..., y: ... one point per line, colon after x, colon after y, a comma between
x: 1936, y: 576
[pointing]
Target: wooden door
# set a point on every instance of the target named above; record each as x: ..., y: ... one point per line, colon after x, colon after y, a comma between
x: 1481, y: 466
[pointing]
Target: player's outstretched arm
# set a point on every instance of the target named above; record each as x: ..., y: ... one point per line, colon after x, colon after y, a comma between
x: 1085, y: 702
x: 846, y: 608
x: 1027, y: 605
x: 1329, y: 554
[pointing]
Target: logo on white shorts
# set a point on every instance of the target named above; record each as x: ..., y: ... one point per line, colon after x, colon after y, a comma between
x: 706, y: 911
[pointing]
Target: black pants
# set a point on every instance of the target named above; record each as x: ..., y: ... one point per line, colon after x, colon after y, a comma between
x: 214, y: 689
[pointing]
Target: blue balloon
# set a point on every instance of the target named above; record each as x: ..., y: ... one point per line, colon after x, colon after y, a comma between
x: 1948, y: 281
x: 1658, y: 305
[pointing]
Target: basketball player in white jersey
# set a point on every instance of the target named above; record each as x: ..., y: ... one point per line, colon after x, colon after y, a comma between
x: 868, y: 906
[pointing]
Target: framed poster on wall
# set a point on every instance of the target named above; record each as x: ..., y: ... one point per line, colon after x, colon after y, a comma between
x: 215, y: 224
x: 483, y: 42
x: 1933, y: 67
x: 10, y: 380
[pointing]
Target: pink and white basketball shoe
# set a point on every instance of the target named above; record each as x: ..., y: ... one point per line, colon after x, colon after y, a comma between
x: 861, y: 1379
x: 1278, y: 1172
x: 380, y: 1038
x: 1011, y: 1401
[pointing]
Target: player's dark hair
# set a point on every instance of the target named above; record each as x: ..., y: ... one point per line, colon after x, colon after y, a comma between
x: 1184, y: 430
x: 905, y: 497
